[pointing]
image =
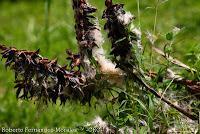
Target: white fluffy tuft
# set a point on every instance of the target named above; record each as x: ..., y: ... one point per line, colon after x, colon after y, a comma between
x: 102, y: 125
x: 97, y: 36
x: 138, y: 33
x: 126, y: 18
x: 106, y: 66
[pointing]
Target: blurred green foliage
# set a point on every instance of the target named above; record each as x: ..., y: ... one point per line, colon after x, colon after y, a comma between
x: 22, y: 24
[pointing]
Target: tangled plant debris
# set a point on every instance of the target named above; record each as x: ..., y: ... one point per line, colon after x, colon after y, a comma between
x: 39, y: 78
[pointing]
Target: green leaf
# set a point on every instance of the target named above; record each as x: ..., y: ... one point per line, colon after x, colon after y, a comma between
x: 169, y: 36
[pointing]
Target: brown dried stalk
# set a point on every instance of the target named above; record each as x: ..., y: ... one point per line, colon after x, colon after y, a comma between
x: 121, y: 37
x: 39, y: 78
x: 90, y: 41
x: 124, y: 43
x: 173, y: 60
x: 180, y: 109
x: 191, y: 85
x: 84, y: 34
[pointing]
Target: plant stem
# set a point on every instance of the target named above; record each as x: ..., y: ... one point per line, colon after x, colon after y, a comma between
x: 156, y: 16
x: 47, y: 11
x: 173, y: 60
x: 139, y: 17
x: 154, y: 28
x: 153, y: 91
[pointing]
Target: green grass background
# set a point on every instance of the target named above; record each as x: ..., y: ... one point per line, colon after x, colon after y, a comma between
x: 22, y: 24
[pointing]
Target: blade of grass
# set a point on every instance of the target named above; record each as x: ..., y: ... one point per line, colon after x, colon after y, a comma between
x: 47, y: 12
x: 139, y: 18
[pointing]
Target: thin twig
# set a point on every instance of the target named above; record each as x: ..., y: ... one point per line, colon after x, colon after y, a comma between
x: 166, y: 89
x: 173, y: 60
x: 153, y: 91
